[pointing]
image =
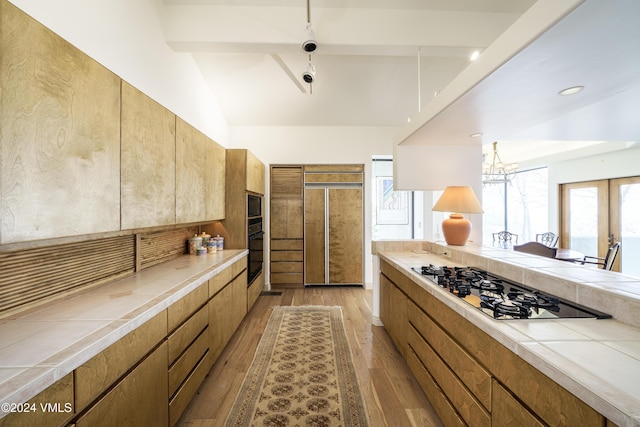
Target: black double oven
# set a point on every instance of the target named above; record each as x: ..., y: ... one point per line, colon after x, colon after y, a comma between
x: 255, y: 236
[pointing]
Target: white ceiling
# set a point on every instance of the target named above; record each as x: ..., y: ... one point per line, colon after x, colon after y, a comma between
x: 381, y: 61
x: 366, y: 63
x: 596, y: 45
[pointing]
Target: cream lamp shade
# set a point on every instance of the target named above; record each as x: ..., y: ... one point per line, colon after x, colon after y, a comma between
x: 457, y: 200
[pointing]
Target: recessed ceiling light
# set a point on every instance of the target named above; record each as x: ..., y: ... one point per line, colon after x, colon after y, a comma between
x: 474, y: 55
x: 570, y: 90
x: 475, y: 135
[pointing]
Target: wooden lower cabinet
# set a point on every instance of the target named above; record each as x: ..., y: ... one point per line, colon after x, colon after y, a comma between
x: 470, y: 378
x: 438, y: 399
x: 253, y: 291
x: 149, y: 376
x: 226, y: 308
x: 139, y: 399
x: 507, y: 411
x: 99, y: 373
x: 59, y: 394
x: 394, y: 313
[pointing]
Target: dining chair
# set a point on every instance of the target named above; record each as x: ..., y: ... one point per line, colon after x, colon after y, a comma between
x: 505, y: 239
x: 607, y: 262
x: 536, y: 248
x: 550, y: 239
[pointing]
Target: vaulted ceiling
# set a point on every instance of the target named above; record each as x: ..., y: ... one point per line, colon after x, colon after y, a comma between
x: 367, y: 61
x: 381, y: 62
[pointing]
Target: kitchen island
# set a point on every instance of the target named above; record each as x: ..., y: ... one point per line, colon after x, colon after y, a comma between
x: 595, y: 361
x: 153, y: 336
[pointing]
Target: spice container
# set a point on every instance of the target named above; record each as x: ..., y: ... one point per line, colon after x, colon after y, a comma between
x: 220, y: 242
x: 212, y: 245
x: 194, y: 243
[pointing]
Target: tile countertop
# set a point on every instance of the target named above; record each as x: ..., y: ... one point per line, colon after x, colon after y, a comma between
x: 43, y: 344
x: 597, y: 360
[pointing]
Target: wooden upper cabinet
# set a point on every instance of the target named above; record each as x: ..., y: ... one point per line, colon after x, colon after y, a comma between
x: 200, y: 175
x: 60, y: 127
x: 255, y: 173
x: 215, y: 181
x: 244, y: 171
x: 191, y: 166
x: 148, y: 161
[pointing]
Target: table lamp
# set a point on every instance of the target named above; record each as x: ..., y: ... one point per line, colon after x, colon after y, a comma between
x: 457, y: 200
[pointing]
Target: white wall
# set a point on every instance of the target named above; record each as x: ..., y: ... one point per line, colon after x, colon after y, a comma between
x: 126, y: 37
x: 325, y: 144
x: 617, y: 164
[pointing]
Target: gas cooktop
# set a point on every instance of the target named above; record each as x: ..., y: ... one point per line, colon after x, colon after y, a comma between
x: 501, y: 298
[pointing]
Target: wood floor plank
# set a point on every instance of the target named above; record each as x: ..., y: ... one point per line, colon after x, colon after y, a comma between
x: 392, y: 396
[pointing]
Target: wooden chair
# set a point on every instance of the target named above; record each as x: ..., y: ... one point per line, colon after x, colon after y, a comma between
x: 536, y: 248
x: 607, y: 262
x: 548, y: 238
x: 505, y: 239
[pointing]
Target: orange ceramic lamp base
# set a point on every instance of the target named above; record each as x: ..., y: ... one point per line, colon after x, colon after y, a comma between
x: 456, y: 229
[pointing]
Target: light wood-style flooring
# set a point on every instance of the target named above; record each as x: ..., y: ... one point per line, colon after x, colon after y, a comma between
x: 392, y: 395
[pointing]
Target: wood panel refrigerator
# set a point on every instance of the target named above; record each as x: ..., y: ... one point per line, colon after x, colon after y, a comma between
x: 333, y: 237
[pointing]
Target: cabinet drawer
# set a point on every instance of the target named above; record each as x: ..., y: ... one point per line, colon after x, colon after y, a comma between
x: 220, y: 280
x: 140, y: 399
x: 507, y: 411
x: 460, y: 397
x: 287, y: 267
x: 254, y: 290
x: 184, y: 394
x: 474, y: 376
x: 187, y: 361
x: 287, y: 245
x: 60, y: 393
x: 333, y: 177
x: 182, y: 309
x: 183, y: 336
x: 287, y: 256
x: 97, y: 374
x: 334, y: 168
x: 286, y: 278
x: 440, y: 403
x: 238, y: 267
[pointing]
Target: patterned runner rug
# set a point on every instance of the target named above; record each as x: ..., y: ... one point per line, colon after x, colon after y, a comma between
x: 302, y: 373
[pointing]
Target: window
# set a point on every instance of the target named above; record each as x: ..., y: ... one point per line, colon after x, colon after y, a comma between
x: 395, y: 214
x: 521, y: 206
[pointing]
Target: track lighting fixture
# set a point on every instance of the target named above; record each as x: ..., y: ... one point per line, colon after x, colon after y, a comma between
x: 310, y: 44
x: 309, y: 76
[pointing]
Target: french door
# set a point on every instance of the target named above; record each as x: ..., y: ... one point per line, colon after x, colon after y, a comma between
x: 596, y: 214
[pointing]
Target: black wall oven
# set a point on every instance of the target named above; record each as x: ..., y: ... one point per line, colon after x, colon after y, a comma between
x: 255, y: 237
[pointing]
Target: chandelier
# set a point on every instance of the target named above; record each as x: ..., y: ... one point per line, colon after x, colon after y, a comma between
x: 498, y: 172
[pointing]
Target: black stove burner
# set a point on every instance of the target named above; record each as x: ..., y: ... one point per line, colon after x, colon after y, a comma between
x: 488, y: 293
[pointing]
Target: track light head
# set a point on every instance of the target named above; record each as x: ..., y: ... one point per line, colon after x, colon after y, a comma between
x: 309, y: 76
x: 310, y: 44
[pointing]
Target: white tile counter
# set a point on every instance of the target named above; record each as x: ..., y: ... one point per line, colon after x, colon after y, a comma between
x: 596, y: 360
x: 42, y: 345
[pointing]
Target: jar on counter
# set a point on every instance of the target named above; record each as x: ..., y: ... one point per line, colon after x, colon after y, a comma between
x: 212, y: 245
x: 205, y: 239
x: 194, y: 243
x: 220, y: 241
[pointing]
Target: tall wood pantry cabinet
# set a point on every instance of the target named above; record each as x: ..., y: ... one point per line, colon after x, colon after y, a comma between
x: 316, y: 225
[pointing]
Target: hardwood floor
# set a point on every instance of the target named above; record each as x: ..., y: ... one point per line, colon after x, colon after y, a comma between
x: 392, y: 395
